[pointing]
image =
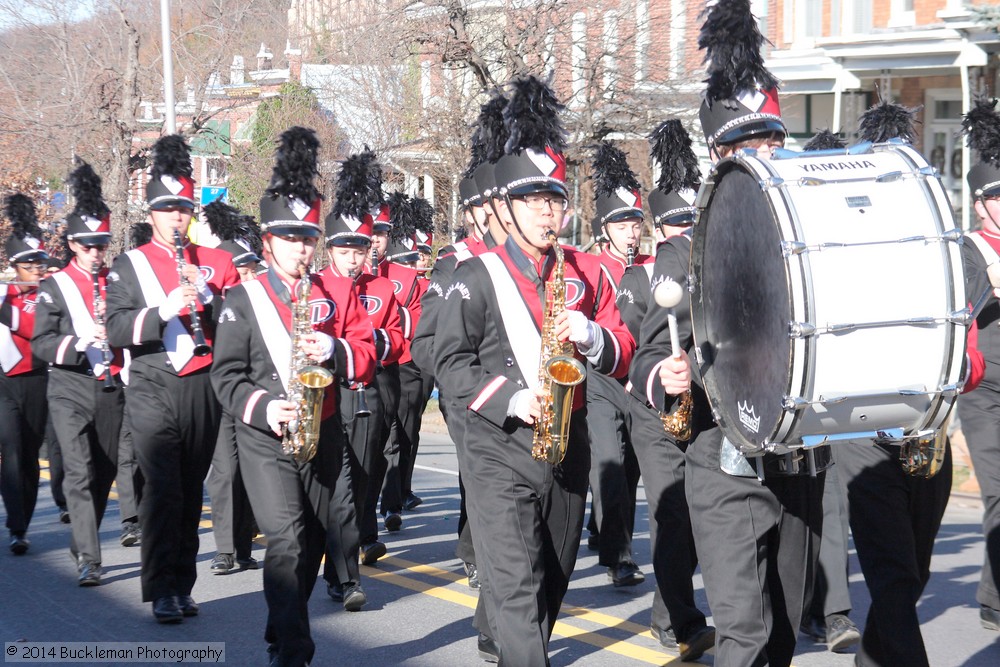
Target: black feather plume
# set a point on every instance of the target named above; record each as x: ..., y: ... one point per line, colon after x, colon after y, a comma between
x: 888, y: 120
x: 20, y: 210
x: 611, y: 170
x: 532, y: 117
x: 359, y: 185
x: 825, y: 140
x: 227, y: 223
x: 85, y: 185
x: 295, y: 166
x: 422, y: 214
x: 171, y: 157
x: 732, y: 41
x: 981, y: 127
x: 670, y: 148
x: 140, y: 234
x: 490, y: 135
x: 400, y: 216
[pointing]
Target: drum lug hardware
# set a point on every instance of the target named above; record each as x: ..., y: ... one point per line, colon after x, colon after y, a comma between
x: 913, y: 392
x: 801, y: 329
x: 789, y: 248
x: 889, y: 177
x: 928, y: 171
x: 811, y: 180
x: 961, y: 317
x: 699, y: 359
x: 771, y: 182
x: 951, y: 390
x: 841, y: 328
x: 794, y: 403
x: 925, y: 320
x: 952, y: 235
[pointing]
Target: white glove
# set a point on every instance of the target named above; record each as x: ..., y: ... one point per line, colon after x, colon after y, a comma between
x: 325, y: 343
x: 272, y: 417
x: 204, y: 291
x: 86, y: 338
x: 173, y: 306
x: 582, y: 331
x: 519, y: 404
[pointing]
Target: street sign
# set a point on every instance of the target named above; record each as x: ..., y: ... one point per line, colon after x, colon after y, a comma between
x: 209, y: 195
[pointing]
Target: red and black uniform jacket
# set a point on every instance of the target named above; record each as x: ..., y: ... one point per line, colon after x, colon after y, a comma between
x: 17, y: 322
x: 408, y: 289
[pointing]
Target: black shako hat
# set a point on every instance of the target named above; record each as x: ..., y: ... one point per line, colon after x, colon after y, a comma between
x: 741, y: 99
x: 291, y: 203
x: 239, y: 233
x: 90, y: 221
x: 24, y: 243
x: 358, y: 203
x: 402, y: 246
x: 170, y: 181
x: 488, y: 141
x: 981, y: 127
x: 672, y: 201
x: 533, y: 158
x: 617, y: 193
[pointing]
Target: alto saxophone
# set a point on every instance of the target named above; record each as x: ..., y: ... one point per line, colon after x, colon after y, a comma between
x: 307, y: 383
x: 559, y: 372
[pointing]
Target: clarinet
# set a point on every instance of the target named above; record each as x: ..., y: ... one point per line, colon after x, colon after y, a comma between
x: 361, y: 404
x: 374, y: 261
x: 630, y: 255
x: 201, y: 346
x: 107, y: 356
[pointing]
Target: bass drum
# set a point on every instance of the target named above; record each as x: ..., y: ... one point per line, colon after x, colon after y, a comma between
x: 828, y: 297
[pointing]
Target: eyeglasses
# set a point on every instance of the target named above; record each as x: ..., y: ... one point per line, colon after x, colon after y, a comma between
x: 539, y: 202
x: 100, y: 247
x: 33, y: 266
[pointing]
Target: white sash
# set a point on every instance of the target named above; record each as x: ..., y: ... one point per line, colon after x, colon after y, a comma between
x: 176, y: 340
x: 10, y: 356
x: 989, y: 254
x: 277, y: 340
x: 81, y: 318
x: 522, y: 332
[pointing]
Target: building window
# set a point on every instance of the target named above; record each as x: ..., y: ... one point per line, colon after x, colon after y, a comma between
x: 901, y: 13
x: 641, y: 39
x: 856, y: 17
x: 609, y: 58
x: 678, y: 19
x: 579, y: 58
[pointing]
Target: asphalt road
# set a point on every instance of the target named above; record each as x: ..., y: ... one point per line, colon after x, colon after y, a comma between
x: 419, y: 607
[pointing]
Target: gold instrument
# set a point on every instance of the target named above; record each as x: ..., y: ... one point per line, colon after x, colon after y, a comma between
x: 306, y: 383
x: 667, y: 295
x: 559, y: 372
x: 107, y: 356
x: 924, y: 456
x: 201, y: 346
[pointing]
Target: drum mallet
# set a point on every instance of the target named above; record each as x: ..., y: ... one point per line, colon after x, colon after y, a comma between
x: 668, y: 294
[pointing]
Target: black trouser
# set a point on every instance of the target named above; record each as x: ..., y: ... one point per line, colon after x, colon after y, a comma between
x: 526, y: 517
x: 894, y: 521
x: 614, y: 471
x: 662, y: 463
x: 979, y: 410
x: 454, y: 419
x: 414, y: 390
x: 292, y: 502
x: 757, y: 544
x: 129, y: 480
x: 88, y: 422
x: 23, y: 410
x: 56, y: 472
x: 175, y: 423
x: 831, y: 592
x: 385, y: 464
x: 232, y: 520
x: 364, y: 435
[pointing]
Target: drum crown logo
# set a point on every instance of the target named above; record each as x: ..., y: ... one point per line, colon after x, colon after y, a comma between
x: 748, y: 417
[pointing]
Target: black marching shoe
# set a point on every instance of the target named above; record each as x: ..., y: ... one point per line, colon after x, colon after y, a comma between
x: 336, y: 592
x: 223, y: 563
x: 354, y: 597
x: 90, y: 574
x: 393, y: 521
x: 19, y: 544
x: 371, y: 552
x: 166, y: 610
x: 488, y: 649
x: 63, y: 515
x: 248, y: 563
x: 472, y: 574
x: 841, y: 633
x: 695, y: 646
x: 814, y: 628
x: 626, y: 573
x: 989, y: 618
x: 665, y: 636
x: 411, y: 501
x: 187, y: 605
x: 131, y: 534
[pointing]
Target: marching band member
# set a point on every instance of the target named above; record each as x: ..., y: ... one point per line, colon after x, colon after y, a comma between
x: 978, y: 409
x: 23, y: 407
x: 294, y: 497
x: 85, y: 395
x: 348, y: 245
x: 161, y: 297
x: 755, y: 592
x: 232, y: 519
x: 527, y: 514
x: 614, y: 470
x: 676, y: 622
